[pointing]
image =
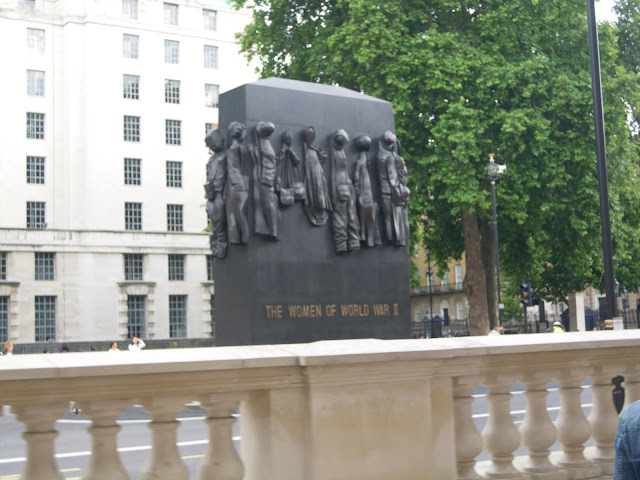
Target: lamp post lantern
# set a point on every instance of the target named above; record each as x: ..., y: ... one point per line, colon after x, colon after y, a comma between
x: 493, y: 174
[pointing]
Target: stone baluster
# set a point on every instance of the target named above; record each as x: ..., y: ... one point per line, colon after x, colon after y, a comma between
x: 603, y: 419
x: 573, y: 427
x: 105, y: 463
x: 468, y: 439
x: 537, y: 431
x: 221, y: 461
x: 39, y: 437
x: 500, y: 435
x: 164, y: 462
x: 631, y: 384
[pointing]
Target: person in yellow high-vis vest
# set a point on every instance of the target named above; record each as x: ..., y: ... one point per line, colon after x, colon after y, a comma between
x: 558, y: 327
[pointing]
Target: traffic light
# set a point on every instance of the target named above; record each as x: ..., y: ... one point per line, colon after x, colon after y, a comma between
x: 525, y: 294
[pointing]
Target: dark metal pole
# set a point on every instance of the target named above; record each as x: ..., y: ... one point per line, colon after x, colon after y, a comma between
x: 430, y: 280
x: 598, y: 115
x: 495, y: 231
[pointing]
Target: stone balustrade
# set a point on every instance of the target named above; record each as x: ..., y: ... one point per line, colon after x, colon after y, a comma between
x: 355, y: 409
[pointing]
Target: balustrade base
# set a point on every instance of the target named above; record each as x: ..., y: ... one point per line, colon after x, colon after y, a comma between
x: 584, y: 473
x: 588, y: 472
x: 483, y: 470
x: 520, y: 463
x: 578, y: 472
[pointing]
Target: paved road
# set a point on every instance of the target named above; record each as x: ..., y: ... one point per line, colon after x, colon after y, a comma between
x: 73, y: 443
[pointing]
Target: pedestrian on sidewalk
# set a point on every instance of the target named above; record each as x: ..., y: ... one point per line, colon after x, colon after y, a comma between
x: 136, y: 344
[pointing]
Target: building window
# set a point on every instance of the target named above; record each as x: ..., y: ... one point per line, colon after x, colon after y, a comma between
x: 210, y: 19
x: 171, y: 51
x: 35, y: 83
x: 445, y: 281
x: 177, y: 316
x: 130, y: 9
x: 132, y: 216
x: 35, y: 170
x: 45, y: 318
x: 209, y: 126
x: 459, y: 278
x: 35, y: 40
x: 211, y: 95
x: 210, y: 56
x: 136, y: 315
x: 176, y: 267
x: 45, y: 265
x: 3, y: 265
x: 172, y: 91
x: 133, y: 266
x: 36, y: 215
x: 174, y: 174
x: 35, y: 125
x: 170, y: 14
x: 4, y: 319
x: 130, y: 46
x: 27, y: 4
x: 132, y: 175
x: 174, y: 218
x: 444, y: 309
x: 210, y: 268
x: 131, y: 129
x: 173, y: 132
x: 131, y: 87
x: 460, y: 310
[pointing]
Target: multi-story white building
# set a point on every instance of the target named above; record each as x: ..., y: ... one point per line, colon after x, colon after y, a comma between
x: 104, y: 107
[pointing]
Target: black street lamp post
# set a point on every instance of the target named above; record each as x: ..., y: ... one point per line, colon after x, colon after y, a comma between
x: 430, y: 284
x: 493, y: 174
x: 598, y: 117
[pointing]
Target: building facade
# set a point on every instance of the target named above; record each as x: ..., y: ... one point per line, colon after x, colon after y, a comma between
x: 105, y: 105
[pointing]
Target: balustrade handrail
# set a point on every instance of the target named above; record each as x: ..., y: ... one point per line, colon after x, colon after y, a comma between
x: 311, y: 390
x: 584, y: 349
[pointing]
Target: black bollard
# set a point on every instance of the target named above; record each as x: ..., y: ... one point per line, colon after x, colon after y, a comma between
x: 618, y: 392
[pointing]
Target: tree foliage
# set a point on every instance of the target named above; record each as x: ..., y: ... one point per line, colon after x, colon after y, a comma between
x: 470, y: 77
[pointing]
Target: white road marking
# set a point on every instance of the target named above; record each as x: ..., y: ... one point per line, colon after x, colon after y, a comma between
x: 121, y: 450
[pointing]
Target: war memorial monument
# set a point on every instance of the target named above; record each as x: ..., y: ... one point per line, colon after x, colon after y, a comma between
x: 307, y: 197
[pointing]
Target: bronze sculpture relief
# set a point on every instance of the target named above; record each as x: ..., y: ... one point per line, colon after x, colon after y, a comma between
x: 215, y: 192
x: 265, y: 181
x: 394, y: 192
x: 291, y: 187
x: 317, y: 203
x: 346, y: 228
x: 367, y: 206
x: 279, y: 180
x: 238, y: 186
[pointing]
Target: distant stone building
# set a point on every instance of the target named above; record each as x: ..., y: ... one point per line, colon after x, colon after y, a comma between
x: 105, y: 105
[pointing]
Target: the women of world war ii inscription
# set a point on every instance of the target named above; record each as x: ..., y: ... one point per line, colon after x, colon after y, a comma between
x: 307, y: 197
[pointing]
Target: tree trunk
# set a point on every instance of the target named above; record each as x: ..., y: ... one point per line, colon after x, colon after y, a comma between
x: 488, y: 252
x: 475, y: 285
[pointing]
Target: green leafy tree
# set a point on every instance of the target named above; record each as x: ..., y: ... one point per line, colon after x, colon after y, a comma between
x: 468, y: 78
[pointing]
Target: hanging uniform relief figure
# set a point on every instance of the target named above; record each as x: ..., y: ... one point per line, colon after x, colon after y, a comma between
x: 317, y: 203
x: 346, y: 228
x: 237, y: 186
x: 392, y: 175
x: 265, y: 181
x: 291, y: 187
x: 215, y: 192
x: 367, y: 206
